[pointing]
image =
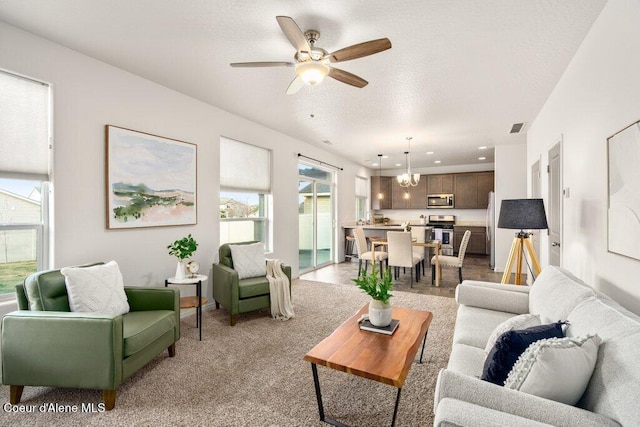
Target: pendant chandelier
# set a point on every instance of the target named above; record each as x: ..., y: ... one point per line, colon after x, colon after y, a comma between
x: 407, y: 179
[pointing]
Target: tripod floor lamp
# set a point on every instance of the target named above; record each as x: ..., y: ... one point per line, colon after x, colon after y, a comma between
x: 522, y: 214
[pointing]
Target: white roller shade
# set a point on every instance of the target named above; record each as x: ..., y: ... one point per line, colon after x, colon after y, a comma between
x: 244, y: 167
x: 24, y: 127
x: 361, y: 187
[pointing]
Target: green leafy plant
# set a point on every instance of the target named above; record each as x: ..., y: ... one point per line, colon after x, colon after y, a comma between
x: 377, y: 288
x: 183, y: 248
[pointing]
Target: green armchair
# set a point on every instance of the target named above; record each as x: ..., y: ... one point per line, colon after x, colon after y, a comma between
x: 45, y: 344
x: 239, y: 295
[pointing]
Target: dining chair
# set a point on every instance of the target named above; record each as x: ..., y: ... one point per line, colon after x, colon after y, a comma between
x: 417, y: 235
x: 365, y: 254
x: 451, y: 261
x: 401, y: 254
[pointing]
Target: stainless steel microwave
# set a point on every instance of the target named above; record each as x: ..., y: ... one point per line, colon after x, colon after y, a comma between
x: 440, y: 201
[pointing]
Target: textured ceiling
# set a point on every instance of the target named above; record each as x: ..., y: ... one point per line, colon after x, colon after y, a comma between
x: 459, y: 74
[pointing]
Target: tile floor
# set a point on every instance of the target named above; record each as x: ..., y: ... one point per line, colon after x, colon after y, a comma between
x: 476, y: 267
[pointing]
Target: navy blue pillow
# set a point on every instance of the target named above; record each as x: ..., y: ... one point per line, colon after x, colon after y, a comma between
x: 511, y: 345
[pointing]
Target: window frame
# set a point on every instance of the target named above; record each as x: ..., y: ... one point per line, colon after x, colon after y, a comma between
x: 44, y: 229
x: 265, y: 219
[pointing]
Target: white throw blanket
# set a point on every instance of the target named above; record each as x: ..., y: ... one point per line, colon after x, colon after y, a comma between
x: 279, y: 287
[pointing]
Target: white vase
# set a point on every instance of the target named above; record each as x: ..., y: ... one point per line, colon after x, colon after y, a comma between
x: 379, y: 313
x: 180, y: 271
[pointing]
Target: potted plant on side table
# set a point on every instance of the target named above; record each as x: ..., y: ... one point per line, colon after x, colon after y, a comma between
x: 181, y: 249
x: 379, y: 290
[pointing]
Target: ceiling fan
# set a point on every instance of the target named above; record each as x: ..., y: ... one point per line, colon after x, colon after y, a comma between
x: 312, y: 63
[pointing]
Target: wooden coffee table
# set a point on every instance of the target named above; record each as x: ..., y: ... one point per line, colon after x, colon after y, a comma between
x: 378, y: 357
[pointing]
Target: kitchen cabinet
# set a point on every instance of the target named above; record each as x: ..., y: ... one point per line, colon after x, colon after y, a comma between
x: 440, y: 184
x: 485, y: 186
x: 398, y: 196
x: 381, y: 185
x: 417, y: 195
x: 478, y: 243
x: 472, y: 190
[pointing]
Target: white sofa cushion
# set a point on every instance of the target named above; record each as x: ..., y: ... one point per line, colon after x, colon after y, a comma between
x: 474, y: 325
x: 555, y: 293
x: 466, y: 359
x: 96, y: 289
x: 556, y: 368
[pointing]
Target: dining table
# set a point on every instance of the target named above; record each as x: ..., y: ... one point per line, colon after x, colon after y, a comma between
x: 435, y: 244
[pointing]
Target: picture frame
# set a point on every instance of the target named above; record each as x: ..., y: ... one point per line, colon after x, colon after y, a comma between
x: 151, y: 180
x: 623, y: 187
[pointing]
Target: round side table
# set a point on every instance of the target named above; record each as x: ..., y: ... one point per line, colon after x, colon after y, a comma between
x: 192, y: 302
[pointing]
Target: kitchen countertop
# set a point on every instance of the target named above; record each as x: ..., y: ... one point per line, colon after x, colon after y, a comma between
x: 397, y: 226
x: 382, y: 227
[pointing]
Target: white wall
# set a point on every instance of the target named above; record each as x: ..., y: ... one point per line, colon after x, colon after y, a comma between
x: 596, y: 97
x: 511, y: 183
x: 88, y: 94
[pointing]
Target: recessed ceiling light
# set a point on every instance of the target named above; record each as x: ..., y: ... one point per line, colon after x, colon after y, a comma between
x: 436, y: 161
x: 385, y: 157
x: 398, y: 164
x: 484, y: 147
x: 429, y: 152
x: 375, y: 164
x: 482, y: 158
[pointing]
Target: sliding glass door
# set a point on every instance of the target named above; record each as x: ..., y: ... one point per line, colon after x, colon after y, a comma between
x: 315, y: 217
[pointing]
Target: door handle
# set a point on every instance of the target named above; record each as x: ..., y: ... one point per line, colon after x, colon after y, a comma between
x: 555, y: 243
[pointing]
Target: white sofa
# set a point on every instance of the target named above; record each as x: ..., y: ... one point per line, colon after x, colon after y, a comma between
x: 613, y: 394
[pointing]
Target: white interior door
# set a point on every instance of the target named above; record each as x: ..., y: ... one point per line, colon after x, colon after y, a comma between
x: 554, y: 208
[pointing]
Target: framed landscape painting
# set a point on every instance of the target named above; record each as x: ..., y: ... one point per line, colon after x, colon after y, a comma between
x: 150, y: 180
x: 624, y: 192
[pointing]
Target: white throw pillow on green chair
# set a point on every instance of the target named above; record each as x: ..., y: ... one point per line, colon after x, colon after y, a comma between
x: 96, y: 289
x: 249, y: 260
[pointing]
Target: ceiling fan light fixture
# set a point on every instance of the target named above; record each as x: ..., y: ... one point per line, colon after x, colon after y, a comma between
x: 312, y: 72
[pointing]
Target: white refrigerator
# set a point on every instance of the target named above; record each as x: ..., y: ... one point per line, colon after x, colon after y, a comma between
x: 491, y: 229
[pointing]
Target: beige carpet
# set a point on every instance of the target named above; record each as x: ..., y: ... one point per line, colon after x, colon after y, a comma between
x: 253, y: 374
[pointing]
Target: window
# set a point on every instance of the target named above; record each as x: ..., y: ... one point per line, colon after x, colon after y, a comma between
x: 24, y: 176
x: 362, y: 199
x: 245, y: 192
x: 243, y: 217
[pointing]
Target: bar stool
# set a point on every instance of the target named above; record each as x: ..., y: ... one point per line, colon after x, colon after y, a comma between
x: 349, y: 242
x: 372, y: 239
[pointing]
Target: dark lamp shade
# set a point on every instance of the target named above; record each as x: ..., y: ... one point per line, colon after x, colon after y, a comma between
x: 523, y: 214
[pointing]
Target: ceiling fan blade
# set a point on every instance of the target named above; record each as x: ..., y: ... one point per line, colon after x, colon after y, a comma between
x: 294, y: 34
x: 263, y: 64
x: 347, y: 77
x: 360, y: 50
x: 295, y: 86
